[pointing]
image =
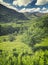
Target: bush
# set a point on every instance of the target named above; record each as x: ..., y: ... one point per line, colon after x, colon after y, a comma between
x: 4, y: 40
x: 37, y: 30
x: 11, y: 38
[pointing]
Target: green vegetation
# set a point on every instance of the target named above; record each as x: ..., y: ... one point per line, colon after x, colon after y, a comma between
x: 24, y: 42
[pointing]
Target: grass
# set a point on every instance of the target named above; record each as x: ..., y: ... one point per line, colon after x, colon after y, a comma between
x: 12, y: 45
x: 8, y: 46
x: 43, y: 43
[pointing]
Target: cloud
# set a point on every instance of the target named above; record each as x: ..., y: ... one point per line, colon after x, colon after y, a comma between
x: 1, y: 1
x: 43, y: 10
x: 41, y: 2
x: 8, y: 5
x: 30, y: 10
x: 21, y: 2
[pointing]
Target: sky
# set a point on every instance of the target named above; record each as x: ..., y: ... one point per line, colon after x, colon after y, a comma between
x: 24, y: 5
x: 26, y: 2
x: 41, y: 2
x: 21, y: 2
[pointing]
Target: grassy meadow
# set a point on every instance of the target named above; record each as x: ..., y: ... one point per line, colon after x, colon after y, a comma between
x: 24, y: 42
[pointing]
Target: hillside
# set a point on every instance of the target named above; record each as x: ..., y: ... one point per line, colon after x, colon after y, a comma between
x: 8, y: 15
x: 23, y: 41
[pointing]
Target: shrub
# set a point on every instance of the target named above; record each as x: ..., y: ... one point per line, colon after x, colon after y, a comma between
x: 11, y: 38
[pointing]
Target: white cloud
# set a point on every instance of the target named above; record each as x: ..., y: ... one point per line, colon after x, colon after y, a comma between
x: 30, y: 10
x: 21, y: 2
x: 41, y: 2
x: 1, y: 1
x: 43, y: 10
x: 8, y: 5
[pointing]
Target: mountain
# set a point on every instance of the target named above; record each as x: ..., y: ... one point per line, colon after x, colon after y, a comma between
x: 8, y: 15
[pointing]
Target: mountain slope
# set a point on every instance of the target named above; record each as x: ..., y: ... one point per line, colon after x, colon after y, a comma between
x: 8, y: 15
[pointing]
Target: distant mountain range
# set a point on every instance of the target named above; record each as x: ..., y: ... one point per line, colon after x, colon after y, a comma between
x: 10, y: 15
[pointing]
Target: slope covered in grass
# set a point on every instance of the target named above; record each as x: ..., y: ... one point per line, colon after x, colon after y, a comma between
x: 24, y: 42
x: 18, y: 53
x: 43, y: 43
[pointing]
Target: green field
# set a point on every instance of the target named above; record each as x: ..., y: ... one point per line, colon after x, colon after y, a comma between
x: 24, y: 42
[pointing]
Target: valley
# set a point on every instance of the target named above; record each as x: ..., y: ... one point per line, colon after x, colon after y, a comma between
x: 23, y: 38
